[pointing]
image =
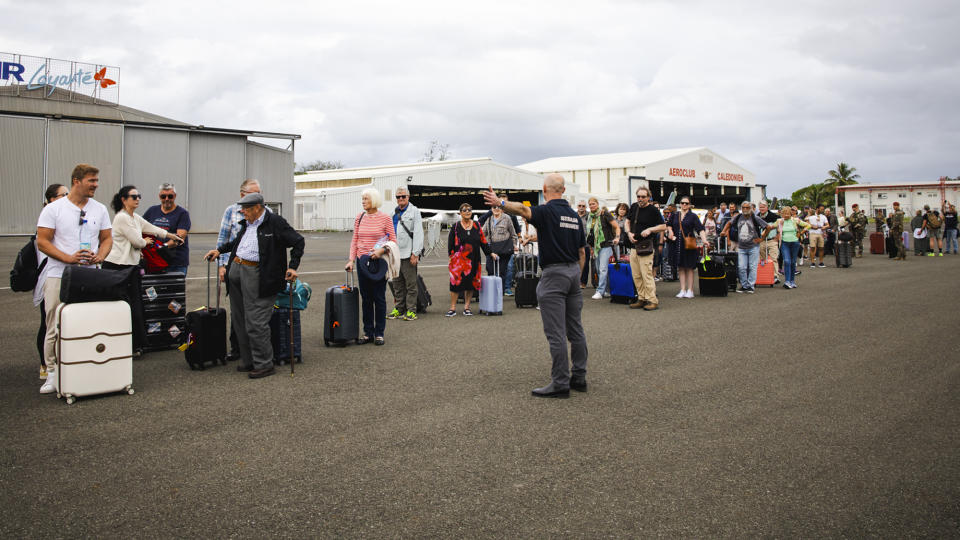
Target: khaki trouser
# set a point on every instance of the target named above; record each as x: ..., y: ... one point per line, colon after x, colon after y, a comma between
x: 405, y: 288
x: 51, y: 299
x: 641, y: 266
x: 769, y: 249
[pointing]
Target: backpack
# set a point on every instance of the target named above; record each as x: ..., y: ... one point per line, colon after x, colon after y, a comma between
x: 933, y: 220
x: 26, y: 272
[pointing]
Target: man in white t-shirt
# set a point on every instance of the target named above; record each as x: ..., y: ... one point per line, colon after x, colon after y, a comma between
x: 818, y: 224
x: 71, y: 230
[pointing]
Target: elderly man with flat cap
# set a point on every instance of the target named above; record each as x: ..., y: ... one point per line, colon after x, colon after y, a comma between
x: 256, y: 271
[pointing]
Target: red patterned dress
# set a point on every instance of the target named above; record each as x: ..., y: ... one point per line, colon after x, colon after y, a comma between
x: 464, y: 247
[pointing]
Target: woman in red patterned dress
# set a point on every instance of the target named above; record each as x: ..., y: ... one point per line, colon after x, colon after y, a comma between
x: 464, y: 245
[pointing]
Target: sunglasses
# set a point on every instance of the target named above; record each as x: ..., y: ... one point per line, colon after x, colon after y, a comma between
x: 137, y: 196
x: 174, y: 196
x: 402, y: 196
x: 83, y: 214
x: 467, y: 210
x: 684, y: 203
x: 642, y: 196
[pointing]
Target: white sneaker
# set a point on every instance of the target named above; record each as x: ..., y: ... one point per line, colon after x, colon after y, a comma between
x: 50, y: 386
x: 682, y: 294
x: 689, y: 294
x: 597, y: 296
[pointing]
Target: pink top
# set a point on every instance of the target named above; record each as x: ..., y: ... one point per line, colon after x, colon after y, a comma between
x: 368, y: 231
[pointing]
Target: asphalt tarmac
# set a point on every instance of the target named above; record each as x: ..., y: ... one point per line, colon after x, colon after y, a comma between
x: 830, y: 410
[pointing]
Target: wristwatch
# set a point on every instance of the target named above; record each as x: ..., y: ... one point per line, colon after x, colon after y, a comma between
x: 503, y: 203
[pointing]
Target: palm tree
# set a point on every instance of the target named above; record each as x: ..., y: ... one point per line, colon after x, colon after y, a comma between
x: 843, y: 175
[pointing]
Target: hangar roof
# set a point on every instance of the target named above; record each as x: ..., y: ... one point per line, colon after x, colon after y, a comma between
x: 606, y: 161
x: 63, y: 105
x: 388, y: 170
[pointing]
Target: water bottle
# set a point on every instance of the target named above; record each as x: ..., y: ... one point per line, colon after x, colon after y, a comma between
x: 85, y: 242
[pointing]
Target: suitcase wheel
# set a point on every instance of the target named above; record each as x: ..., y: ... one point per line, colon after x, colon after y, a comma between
x: 326, y: 343
x: 71, y: 400
x: 130, y: 390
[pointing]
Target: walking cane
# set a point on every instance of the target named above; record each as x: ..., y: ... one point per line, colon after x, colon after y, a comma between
x: 292, y: 359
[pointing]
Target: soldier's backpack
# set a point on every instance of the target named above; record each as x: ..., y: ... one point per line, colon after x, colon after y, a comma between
x: 933, y: 220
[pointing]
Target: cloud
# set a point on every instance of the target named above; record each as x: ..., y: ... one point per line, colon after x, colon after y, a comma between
x: 785, y: 89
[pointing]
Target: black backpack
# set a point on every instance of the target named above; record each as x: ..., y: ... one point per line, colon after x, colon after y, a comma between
x: 23, y: 277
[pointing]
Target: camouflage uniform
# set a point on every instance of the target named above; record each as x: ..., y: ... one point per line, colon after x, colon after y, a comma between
x: 896, y: 231
x: 878, y: 221
x: 858, y: 225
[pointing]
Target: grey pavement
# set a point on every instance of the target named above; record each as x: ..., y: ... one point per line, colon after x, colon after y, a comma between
x: 828, y: 410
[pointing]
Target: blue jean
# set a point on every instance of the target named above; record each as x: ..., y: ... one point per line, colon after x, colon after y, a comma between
x: 373, y: 300
x: 747, y: 261
x: 177, y: 269
x: 505, y: 266
x: 950, y: 238
x: 789, y: 251
x: 603, y: 262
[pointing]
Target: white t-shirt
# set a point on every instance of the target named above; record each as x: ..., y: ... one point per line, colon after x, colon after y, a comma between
x: 64, y: 217
x: 815, y: 220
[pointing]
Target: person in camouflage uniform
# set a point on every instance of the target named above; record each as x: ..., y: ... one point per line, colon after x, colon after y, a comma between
x: 878, y: 220
x: 857, y: 223
x: 896, y: 231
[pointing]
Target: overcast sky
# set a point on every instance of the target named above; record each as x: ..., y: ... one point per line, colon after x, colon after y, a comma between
x: 785, y: 89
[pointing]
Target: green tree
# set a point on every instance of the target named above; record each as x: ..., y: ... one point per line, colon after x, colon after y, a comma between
x: 813, y: 195
x: 319, y: 165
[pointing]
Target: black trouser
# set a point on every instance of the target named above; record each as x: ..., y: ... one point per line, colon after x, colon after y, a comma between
x: 42, y: 332
x: 136, y: 304
x: 587, y: 267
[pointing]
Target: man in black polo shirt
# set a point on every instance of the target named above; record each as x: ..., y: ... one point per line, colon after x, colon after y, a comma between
x: 562, y: 240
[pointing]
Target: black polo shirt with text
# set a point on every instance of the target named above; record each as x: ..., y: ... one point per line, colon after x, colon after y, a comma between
x: 560, y: 233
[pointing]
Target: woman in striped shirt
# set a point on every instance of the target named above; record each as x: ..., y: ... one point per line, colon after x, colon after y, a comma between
x: 370, y: 228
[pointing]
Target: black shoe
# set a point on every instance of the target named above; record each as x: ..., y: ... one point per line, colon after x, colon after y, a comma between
x: 363, y: 340
x: 578, y: 383
x: 551, y: 391
x: 378, y: 340
x: 243, y: 369
x: 232, y: 356
x: 260, y: 373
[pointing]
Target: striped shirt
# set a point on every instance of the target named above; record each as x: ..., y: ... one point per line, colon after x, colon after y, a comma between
x: 368, y: 231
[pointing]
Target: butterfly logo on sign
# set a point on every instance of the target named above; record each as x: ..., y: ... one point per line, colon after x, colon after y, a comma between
x: 102, y: 77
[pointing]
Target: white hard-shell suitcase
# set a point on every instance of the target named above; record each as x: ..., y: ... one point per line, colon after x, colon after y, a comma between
x: 94, y: 349
x: 491, y: 293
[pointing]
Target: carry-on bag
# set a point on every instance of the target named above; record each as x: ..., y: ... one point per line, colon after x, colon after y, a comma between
x: 712, y: 276
x: 876, y: 243
x: 491, y: 292
x: 280, y: 335
x: 767, y: 272
x: 620, y: 280
x: 81, y: 283
x: 206, y: 332
x: 301, y: 296
x: 341, y: 315
x: 163, y: 298
x: 844, y: 253
x: 891, y: 245
x: 525, y: 293
x: 94, y: 349
x: 423, y: 295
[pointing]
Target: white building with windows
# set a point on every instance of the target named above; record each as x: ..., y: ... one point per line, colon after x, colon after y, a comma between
x: 912, y: 196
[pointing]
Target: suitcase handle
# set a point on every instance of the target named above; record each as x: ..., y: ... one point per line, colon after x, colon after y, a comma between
x: 349, y: 281
x: 218, y: 284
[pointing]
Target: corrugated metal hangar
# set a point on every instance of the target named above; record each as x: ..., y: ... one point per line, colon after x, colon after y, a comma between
x: 330, y: 199
x: 45, y: 132
x: 699, y: 172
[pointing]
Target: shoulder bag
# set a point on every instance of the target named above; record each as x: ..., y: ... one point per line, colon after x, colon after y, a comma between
x: 689, y: 242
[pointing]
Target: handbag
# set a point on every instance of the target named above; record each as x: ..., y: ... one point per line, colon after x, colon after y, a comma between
x: 689, y: 242
x: 644, y: 246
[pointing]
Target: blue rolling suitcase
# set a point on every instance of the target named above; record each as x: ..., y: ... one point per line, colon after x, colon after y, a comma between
x: 491, y: 293
x: 620, y: 280
x: 280, y: 335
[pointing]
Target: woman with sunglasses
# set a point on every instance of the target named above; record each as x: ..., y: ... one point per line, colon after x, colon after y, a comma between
x: 464, y: 245
x: 128, y: 240
x: 685, y: 224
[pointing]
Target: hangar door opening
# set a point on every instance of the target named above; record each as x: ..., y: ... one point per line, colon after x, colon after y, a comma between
x: 703, y: 195
x: 444, y: 198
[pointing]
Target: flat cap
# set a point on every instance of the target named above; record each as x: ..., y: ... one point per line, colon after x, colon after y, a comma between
x: 251, y: 199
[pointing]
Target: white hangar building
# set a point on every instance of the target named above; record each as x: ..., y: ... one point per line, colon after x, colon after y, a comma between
x: 330, y: 199
x: 54, y: 115
x: 698, y: 172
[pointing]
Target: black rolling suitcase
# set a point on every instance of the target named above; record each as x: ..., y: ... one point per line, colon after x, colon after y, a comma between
x: 525, y: 293
x: 341, y: 314
x: 280, y: 335
x: 712, y: 276
x: 843, y: 250
x: 729, y: 260
x: 206, y: 332
x: 891, y: 245
x: 163, y: 298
